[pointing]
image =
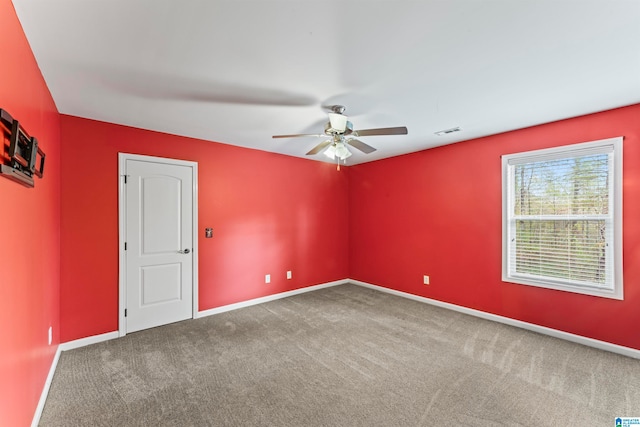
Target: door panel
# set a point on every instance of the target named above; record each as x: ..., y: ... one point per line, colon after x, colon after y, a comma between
x: 160, y: 283
x: 159, y: 270
x: 161, y: 206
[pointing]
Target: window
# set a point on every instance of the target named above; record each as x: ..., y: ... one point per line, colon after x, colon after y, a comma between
x: 562, y: 218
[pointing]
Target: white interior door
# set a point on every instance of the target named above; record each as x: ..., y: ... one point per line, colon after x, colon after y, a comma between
x: 159, y: 251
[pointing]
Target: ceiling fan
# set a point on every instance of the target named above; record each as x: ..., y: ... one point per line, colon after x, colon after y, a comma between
x: 341, y: 135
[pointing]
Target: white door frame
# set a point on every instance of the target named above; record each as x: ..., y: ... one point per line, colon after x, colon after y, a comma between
x: 122, y: 158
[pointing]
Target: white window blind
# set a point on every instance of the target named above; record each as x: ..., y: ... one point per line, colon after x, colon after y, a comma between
x: 562, y: 219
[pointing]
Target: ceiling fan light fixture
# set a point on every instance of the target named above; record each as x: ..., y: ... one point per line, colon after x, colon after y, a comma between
x: 342, y: 152
x: 331, y: 152
x: 337, y: 150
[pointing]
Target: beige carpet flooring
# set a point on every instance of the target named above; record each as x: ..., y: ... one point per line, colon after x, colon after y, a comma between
x: 341, y: 356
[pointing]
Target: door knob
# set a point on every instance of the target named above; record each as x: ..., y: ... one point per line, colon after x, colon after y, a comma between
x: 186, y: 251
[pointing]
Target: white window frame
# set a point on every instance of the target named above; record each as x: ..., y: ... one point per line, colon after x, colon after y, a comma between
x: 614, y: 251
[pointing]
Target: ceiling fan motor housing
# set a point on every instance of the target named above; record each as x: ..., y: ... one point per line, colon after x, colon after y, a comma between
x: 328, y: 130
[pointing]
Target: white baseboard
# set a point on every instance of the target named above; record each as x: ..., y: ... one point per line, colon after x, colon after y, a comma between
x: 579, y: 339
x: 45, y: 389
x: 268, y: 298
x: 70, y: 345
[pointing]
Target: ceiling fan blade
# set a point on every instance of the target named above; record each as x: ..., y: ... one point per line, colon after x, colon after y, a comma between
x: 318, y: 148
x: 365, y: 148
x: 296, y: 135
x: 186, y: 87
x: 381, y: 131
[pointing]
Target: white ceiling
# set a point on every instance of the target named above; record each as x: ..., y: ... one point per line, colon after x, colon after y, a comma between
x: 239, y: 71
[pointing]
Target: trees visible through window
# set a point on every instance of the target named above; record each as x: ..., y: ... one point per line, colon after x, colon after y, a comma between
x: 562, y: 219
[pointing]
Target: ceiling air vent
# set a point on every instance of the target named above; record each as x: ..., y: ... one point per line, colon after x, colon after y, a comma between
x: 448, y: 131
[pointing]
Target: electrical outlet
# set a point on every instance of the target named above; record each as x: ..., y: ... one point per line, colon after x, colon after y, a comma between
x: 425, y: 280
x: 289, y: 274
x: 267, y: 278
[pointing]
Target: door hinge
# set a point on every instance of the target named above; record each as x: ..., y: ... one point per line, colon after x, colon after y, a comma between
x: 125, y: 178
x: 125, y: 312
x: 125, y: 246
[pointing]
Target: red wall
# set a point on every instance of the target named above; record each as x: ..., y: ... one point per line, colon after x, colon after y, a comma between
x: 270, y: 213
x: 29, y: 235
x: 438, y: 212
